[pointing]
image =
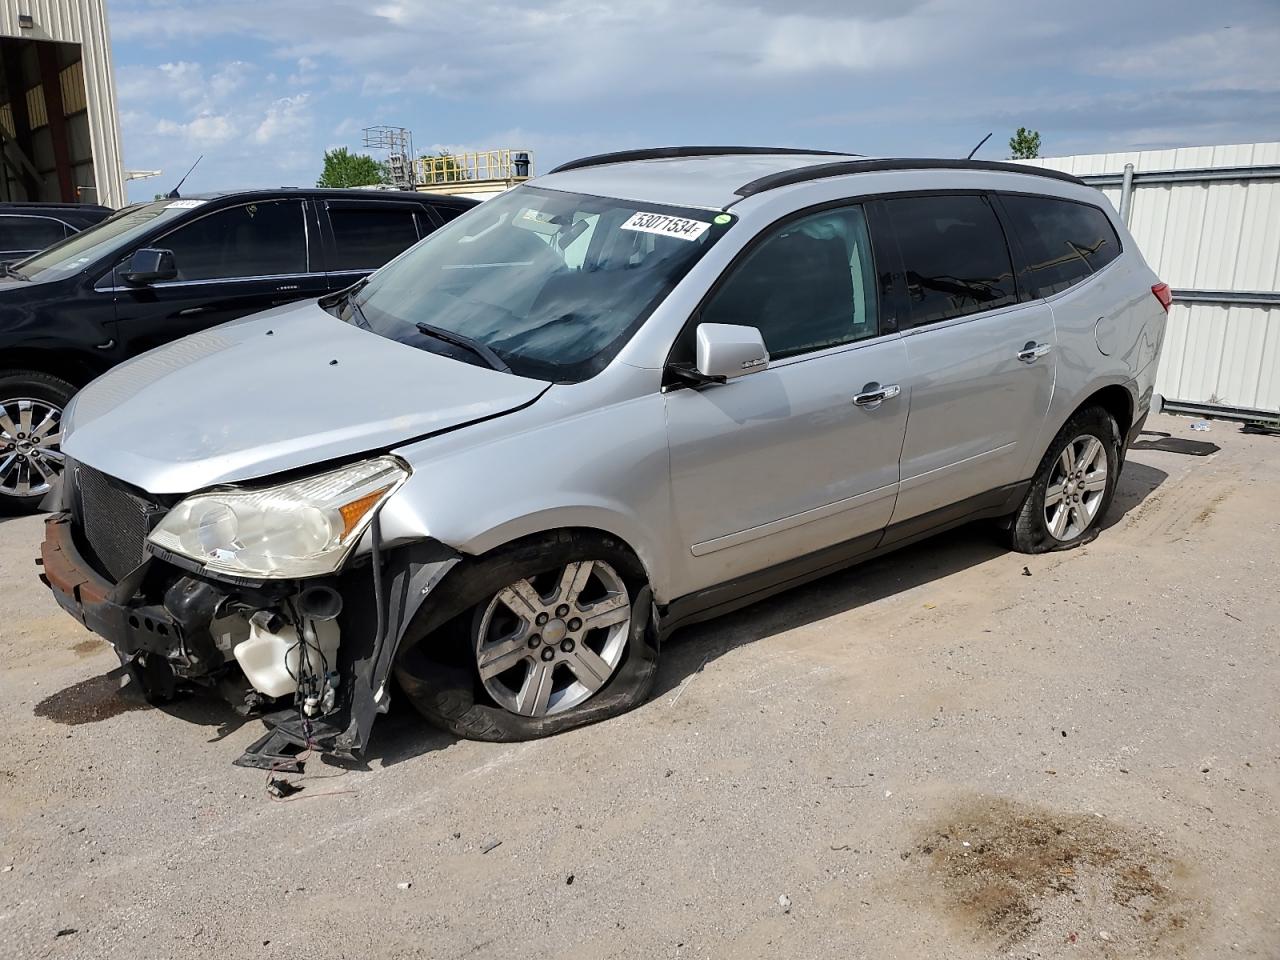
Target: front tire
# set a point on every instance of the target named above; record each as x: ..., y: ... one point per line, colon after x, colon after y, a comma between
x: 1072, y: 488
x: 31, y: 406
x: 560, y: 637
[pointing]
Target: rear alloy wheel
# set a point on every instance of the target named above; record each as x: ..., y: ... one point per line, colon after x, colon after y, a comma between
x: 30, y: 437
x: 1076, y: 488
x: 1072, y: 487
x: 546, y: 644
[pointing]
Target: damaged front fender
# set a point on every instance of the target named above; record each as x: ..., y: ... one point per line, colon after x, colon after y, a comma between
x: 401, y: 581
x: 380, y: 601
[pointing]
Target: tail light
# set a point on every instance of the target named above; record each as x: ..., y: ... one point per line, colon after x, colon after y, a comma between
x: 1163, y: 294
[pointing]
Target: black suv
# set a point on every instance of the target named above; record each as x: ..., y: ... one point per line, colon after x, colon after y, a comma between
x: 154, y: 272
x: 26, y: 228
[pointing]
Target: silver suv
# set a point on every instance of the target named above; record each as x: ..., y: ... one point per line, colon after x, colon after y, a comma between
x: 641, y: 391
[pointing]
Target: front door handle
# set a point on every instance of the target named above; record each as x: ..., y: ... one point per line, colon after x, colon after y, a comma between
x: 873, y: 394
x: 1033, y: 351
x: 105, y: 346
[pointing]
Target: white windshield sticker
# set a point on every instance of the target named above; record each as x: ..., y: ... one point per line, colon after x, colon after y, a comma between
x: 666, y: 226
x: 183, y: 204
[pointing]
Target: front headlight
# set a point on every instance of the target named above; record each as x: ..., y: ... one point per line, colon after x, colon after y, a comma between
x: 305, y: 528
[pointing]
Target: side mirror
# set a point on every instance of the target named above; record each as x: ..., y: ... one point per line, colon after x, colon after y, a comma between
x: 726, y: 350
x: 149, y: 265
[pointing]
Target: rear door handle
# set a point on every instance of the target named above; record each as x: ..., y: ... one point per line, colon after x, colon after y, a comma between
x: 1033, y: 351
x: 873, y: 394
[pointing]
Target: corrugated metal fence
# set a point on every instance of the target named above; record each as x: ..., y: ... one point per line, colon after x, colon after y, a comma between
x: 1208, y: 221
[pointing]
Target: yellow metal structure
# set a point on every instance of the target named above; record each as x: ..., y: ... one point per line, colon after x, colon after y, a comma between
x: 484, y: 169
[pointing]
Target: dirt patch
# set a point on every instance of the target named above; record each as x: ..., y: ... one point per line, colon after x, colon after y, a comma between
x: 1028, y: 877
x: 89, y: 701
x: 1204, y: 515
x: 87, y: 648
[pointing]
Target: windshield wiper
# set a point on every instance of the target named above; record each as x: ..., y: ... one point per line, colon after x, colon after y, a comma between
x: 481, y: 350
x: 10, y: 272
x: 356, y: 310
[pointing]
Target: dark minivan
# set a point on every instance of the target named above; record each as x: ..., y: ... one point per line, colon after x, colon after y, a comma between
x: 158, y: 271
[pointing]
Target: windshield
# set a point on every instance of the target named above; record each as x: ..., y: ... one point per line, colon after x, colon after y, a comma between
x: 89, y: 246
x: 552, y: 283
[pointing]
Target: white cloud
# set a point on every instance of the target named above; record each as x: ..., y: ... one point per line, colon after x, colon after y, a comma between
x: 305, y: 74
x: 228, y: 79
x: 565, y: 49
x: 206, y: 129
x: 346, y: 127
x: 395, y: 12
x: 931, y: 75
x: 285, y: 118
x: 250, y: 127
x: 183, y: 79
x: 1225, y: 57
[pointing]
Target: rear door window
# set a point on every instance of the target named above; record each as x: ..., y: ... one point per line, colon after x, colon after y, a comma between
x: 262, y: 239
x: 30, y: 233
x: 368, y: 235
x: 1064, y: 242
x: 954, y: 255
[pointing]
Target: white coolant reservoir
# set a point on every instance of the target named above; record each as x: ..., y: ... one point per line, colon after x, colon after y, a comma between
x: 271, y: 660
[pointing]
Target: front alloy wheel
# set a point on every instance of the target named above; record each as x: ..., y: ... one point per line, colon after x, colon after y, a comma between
x: 545, y: 644
x: 1076, y: 488
x: 30, y: 447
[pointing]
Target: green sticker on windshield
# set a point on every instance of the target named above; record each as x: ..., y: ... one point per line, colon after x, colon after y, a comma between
x: 722, y: 219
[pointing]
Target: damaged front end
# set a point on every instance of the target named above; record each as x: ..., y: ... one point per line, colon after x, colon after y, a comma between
x: 311, y: 654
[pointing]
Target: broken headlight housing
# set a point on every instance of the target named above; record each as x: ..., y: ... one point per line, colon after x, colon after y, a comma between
x: 303, y: 528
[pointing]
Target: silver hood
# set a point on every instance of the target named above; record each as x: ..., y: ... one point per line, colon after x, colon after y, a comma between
x: 273, y: 392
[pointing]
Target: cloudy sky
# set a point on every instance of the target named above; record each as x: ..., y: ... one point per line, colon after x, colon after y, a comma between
x: 263, y: 87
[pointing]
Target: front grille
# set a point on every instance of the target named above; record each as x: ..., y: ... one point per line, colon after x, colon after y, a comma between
x: 112, y: 519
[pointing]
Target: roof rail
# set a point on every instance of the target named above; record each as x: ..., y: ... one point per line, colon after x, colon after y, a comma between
x: 822, y: 171
x: 666, y: 153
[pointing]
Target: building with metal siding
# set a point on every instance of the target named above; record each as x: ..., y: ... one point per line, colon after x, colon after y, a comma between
x: 1208, y: 221
x: 59, y: 123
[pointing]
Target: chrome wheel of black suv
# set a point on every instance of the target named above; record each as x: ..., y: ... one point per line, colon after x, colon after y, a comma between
x: 31, y: 406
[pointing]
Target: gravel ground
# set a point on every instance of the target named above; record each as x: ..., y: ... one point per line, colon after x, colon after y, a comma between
x: 951, y: 752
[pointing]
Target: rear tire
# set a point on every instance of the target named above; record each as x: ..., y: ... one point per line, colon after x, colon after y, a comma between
x: 1072, y: 488
x: 478, y: 675
x: 31, y: 407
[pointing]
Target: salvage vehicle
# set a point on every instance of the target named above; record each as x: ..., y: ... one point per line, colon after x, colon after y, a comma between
x: 27, y: 228
x: 643, y: 390
x: 155, y: 272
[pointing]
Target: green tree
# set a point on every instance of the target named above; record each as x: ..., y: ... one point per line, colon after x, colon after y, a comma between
x: 1025, y: 144
x: 342, y: 168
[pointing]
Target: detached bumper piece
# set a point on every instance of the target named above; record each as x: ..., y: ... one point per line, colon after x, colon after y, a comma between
x: 289, y: 738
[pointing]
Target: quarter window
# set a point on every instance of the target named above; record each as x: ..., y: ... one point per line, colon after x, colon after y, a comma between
x: 30, y: 233
x: 954, y: 254
x: 368, y: 236
x: 1064, y: 241
x: 810, y: 284
x: 252, y: 240
x: 448, y: 213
